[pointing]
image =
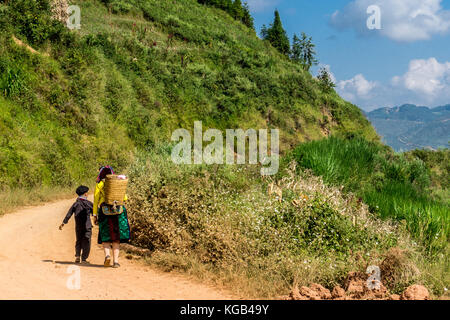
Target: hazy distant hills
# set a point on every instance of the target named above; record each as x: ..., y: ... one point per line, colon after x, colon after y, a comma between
x: 410, y: 127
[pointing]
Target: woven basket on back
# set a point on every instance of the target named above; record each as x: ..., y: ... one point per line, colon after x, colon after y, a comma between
x: 115, y: 189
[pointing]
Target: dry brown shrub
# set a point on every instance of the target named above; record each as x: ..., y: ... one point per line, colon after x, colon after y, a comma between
x: 397, y: 269
x: 59, y: 10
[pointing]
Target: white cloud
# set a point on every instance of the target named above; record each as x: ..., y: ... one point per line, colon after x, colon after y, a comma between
x: 356, y: 88
x: 428, y: 77
x: 401, y: 20
x: 426, y: 82
x: 261, y: 5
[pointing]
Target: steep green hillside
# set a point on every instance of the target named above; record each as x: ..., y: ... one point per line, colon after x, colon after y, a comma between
x: 134, y: 72
x: 114, y: 91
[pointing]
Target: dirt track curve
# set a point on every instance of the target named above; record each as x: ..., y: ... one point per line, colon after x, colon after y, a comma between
x: 35, y: 258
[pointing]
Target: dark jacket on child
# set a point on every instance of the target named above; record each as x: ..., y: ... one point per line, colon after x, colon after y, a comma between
x: 82, y: 209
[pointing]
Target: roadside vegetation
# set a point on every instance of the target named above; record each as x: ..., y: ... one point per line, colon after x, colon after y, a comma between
x: 114, y: 91
x: 439, y: 164
x: 261, y: 236
x: 392, y: 186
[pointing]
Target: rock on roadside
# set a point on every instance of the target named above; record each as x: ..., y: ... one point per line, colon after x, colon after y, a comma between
x: 416, y: 292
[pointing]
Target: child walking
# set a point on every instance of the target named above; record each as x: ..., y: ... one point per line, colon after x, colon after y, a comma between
x: 82, y: 209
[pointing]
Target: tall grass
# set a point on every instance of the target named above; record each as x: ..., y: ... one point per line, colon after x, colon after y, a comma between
x: 391, y: 185
x: 133, y: 74
x: 222, y: 225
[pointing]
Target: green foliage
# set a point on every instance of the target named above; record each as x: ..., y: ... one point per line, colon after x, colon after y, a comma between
x: 325, y: 80
x: 303, y: 51
x: 50, y: 135
x: 438, y: 161
x: 276, y: 35
x: 389, y: 183
x: 32, y: 20
x: 326, y: 229
x: 119, y: 6
x: 222, y: 218
x: 235, y: 8
x: 13, y: 81
x: 189, y: 64
x: 99, y: 92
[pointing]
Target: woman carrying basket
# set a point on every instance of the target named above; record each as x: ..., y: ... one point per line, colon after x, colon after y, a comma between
x: 112, y: 220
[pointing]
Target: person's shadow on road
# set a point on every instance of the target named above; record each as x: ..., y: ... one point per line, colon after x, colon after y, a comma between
x: 91, y: 265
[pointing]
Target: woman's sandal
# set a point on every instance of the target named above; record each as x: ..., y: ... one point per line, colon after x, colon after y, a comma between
x: 107, y: 262
x: 116, y: 265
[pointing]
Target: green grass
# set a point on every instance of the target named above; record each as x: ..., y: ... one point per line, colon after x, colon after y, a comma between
x: 439, y: 164
x: 128, y: 78
x: 392, y: 185
x: 219, y: 224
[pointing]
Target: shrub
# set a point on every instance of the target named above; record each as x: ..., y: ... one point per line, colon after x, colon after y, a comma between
x: 391, y: 185
x: 220, y: 219
x: 32, y: 19
x: 13, y: 81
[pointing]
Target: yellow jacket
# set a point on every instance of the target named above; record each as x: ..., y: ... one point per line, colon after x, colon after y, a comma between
x: 99, y: 197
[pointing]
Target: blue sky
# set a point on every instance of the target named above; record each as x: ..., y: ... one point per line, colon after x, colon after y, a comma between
x: 407, y: 61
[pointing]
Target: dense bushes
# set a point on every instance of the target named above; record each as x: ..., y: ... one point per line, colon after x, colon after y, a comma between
x: 439, y: 162
x: 220, y: 221
x: 238, y: 10
x: 32, y: 20
x: 389, y: 183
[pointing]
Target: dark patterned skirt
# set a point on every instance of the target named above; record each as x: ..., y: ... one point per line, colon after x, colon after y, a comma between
x: 113, y: 228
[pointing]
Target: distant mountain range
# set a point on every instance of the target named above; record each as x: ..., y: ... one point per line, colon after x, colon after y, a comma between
x: 412, y: 127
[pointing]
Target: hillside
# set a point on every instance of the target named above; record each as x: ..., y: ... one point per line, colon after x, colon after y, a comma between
x: 133, y: 73
x: 411, y: 127
x: 115, y: 90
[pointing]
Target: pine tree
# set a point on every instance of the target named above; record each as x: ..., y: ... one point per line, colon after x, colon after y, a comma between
x: 325, y: 81
x: 276, y: 35
x: 296, y: 52
x: 237, y: 10
x: 303, y: 51
x: 247, y: 18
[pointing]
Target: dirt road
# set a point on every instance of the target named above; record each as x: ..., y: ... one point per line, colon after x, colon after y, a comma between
x: 36, y: 258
